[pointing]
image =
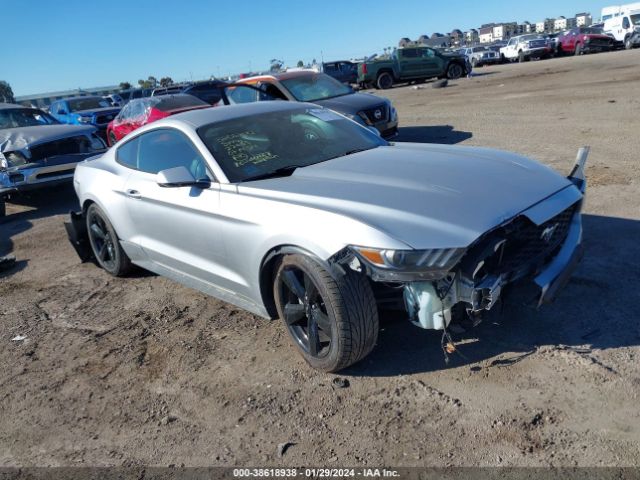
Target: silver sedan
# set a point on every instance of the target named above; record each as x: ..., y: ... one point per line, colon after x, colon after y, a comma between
x: 291, y: 210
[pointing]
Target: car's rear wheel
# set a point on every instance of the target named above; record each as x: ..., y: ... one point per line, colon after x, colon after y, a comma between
x: 112, y: 139
x: 105, y: 243
x: 384, y: 81
x: 332, y: 321
x: 454, y: 71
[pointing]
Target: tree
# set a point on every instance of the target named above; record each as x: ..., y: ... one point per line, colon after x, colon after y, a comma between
x: 166, y: 81
x: 276, y: 65
x: 6, y: 93
x: 125, y: 85
x: 300, y: 64
x: 152, y: 80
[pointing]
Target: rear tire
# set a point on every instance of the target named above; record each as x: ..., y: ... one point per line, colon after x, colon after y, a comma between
x: 333, y: 322
x: 105, y: 243
x: 384, y: 81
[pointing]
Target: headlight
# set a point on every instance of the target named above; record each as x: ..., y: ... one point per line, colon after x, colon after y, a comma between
x: 14, y: 159
x: 360, y: 117
x: 4, y: 164
x: 393, y: 113
x: 85, y: 119
x: 587, y: 40
x: 428, y: 264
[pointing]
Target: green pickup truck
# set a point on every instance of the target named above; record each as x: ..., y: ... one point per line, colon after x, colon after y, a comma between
x: 412, y: 64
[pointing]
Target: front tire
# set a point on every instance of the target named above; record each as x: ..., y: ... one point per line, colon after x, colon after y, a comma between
x: 454, y: 71
x: 3, y: 208
x: 521, y: 57
x: 627, y: 43
x: 384, y: 81
x: 333, y: 321
x: 105, y: 243
x: 579, y: 50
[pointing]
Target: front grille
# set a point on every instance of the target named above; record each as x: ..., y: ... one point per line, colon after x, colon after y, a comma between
x: 65, y: 146
x: 537, y: 44
x: 599, y: 42
x: 528, y: 243
x: 57, y: 173
x: 518, y: 247
x: 381, y: 116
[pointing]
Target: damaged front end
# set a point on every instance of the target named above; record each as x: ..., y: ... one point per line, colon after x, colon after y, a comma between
x: 541, y: 245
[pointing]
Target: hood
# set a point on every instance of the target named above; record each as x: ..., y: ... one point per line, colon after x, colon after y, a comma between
x: 91, y: 111
x: 352, y: 103
x: 427, y: 196
x: 12, y: 139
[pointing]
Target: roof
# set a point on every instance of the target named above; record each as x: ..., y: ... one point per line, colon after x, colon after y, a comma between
x: 280, y: 76
x: 5, y: 106
x: 80, y: 97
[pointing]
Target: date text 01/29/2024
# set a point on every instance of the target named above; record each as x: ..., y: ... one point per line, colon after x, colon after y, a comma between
x: 314, y: 473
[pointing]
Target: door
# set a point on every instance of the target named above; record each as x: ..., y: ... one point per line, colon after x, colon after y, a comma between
x: 177, y: 227
x: 410, y: 62
x: 432, y: 65
x: 510, y: 49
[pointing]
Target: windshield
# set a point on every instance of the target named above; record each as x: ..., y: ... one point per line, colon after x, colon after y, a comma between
x: 87, y: 103
x: 317, y: 86
x: 635, y: 19
x: 24, y: 117
x: 531, y: 37
x: 260, y: 144
x: 480, y: 49
x: 592, y: 30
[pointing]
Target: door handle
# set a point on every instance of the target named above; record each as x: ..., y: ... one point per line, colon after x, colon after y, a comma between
x: 133, y: 194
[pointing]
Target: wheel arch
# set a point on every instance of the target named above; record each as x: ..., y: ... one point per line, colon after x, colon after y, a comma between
x: 268, y: 269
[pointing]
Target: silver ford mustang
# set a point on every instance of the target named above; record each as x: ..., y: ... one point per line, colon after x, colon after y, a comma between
x: 291, y: 210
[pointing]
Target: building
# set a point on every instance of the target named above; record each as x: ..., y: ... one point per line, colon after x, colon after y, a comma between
x: 485, y: 34
x: 525, y: 27
x: 471, y: 37
x: 583, y: 19
x: 562, y: 23
x: 457, y: 37
x: 504, y: 31
x: 548, y: 25
x: 423, y: 39
x: 404, y: 42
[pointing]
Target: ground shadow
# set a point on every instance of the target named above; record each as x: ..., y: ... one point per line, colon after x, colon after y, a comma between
x: 594, y: 311
x: 432, y: 134
x: 39, y: 204
x: 476, y: 73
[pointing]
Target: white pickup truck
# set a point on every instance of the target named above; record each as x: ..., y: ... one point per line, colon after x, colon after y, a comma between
x: 624, y: 28
x: 525, y: 47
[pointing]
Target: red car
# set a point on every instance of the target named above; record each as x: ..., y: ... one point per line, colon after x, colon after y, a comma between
x: 584, y: 40
x: 141, y: 111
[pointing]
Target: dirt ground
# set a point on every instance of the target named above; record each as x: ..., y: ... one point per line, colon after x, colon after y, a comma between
x: 143, y: 371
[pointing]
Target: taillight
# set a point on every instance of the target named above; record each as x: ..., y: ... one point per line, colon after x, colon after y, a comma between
x: 364, y: 68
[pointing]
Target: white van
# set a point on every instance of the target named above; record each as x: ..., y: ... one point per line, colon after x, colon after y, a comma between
x: 625, y: 28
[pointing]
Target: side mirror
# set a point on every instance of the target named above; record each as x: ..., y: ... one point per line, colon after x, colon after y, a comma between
x: 179, y: 177
x: 62, y: 111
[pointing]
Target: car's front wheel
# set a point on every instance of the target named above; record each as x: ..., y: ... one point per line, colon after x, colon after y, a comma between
x: 579, y: 50
x: 332, y: 321
x: 454, y: 71
x: 3, y: 207
x: 105, y: 243
x: 628, y: 45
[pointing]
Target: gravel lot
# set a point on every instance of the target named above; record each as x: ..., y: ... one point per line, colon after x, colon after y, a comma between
x: 143, y: 371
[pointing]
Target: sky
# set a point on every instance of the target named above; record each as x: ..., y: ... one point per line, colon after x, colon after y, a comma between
x: 66, y: 44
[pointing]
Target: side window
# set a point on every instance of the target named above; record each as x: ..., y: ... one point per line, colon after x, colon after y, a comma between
x: 625, y: 23
x: 127, y: 154
x: 330, y: 67
x: 124, y: 113
x: 428, y: 53
x: 410, y: 53
x: 272, y: 92
x: 166, y: 148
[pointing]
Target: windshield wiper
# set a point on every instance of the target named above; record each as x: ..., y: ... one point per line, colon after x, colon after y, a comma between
x: 278, y: 172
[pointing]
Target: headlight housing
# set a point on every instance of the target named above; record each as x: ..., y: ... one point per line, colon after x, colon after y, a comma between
x: 408, y: 265
x: 13, y: 159
x: 359, y: 117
